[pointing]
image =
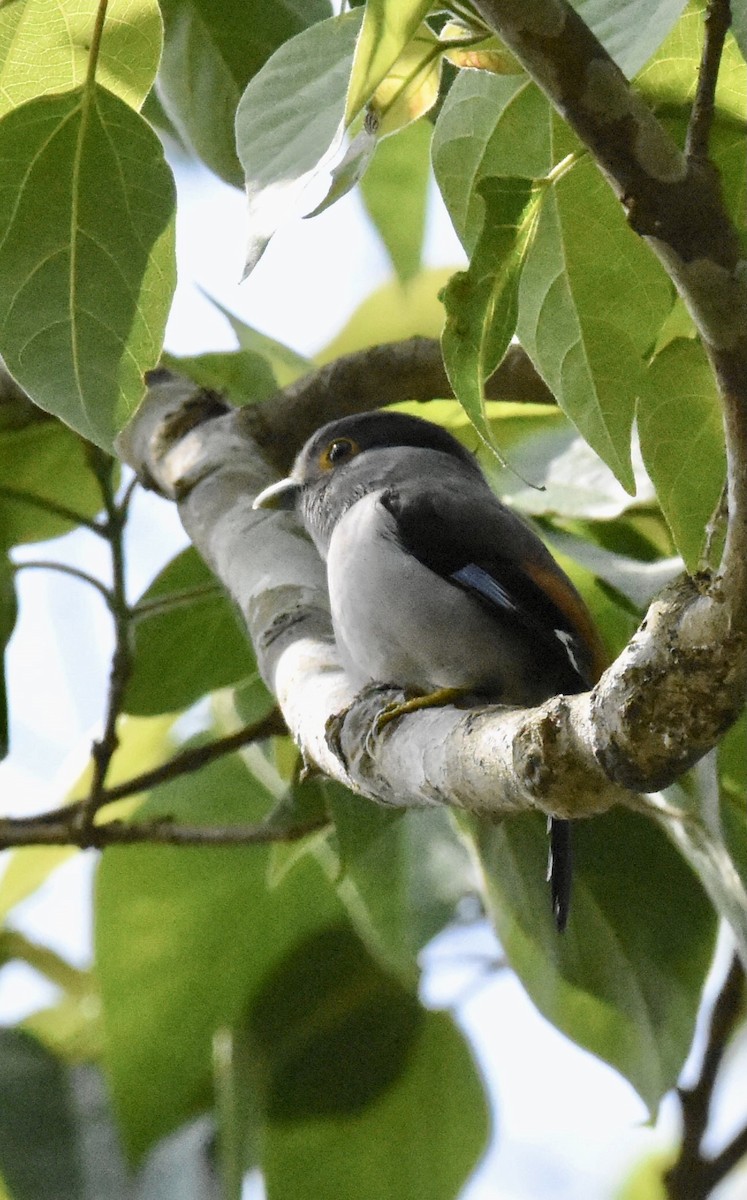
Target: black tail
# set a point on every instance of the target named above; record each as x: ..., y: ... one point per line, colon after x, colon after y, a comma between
x: 560, y: 870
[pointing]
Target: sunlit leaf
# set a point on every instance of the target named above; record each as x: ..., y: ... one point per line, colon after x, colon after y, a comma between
x: 394, y: 191
x: 45, y: 47
x: 410, y: 87
x: 86, y: 256
x: 591, y: 300
x: 285, y: 363
x: 386, y: 30
x: 630, y: 30
x: 211, y: 52
x: 679, y: 421
x: 392, y: 312
x: 42, y: 466
x: 489, y: 127
x: 290, y: 123
x: 142, y: 744
x: 482, y: 303
x: 243, y: 375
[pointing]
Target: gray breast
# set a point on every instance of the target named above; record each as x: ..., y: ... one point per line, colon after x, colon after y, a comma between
x: 396, y: 621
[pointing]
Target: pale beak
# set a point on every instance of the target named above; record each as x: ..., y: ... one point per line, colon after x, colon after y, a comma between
x: 282, y: 494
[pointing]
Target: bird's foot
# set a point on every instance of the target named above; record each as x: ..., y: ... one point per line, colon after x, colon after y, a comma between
x: 400, y: 708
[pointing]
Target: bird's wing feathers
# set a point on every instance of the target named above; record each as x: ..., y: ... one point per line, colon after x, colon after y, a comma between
x: 488, y: 551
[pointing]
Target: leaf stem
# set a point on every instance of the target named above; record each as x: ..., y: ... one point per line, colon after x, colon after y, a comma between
x: 717, y: 21
x: 93, y: 53
x: 49, y: 506
x: 65, y: 569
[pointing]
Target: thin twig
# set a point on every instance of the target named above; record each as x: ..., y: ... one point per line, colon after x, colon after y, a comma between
x: 693, y: 1175
x: 184, y: 763
x: 17, y: 495
x: 103, y: 750
x: 65, y: 569
x: 162, y: 831
x: 717, y: 22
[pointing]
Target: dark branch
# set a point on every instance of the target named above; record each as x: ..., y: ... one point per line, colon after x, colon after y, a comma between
x: 183, y: 763
x: 717, y: 21
x: 693, y: 1175
x: 163, y: 831
x: 103, y: 750
x: 373, y: 378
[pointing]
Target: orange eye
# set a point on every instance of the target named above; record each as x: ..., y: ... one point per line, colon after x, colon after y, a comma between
x: 338, y: 451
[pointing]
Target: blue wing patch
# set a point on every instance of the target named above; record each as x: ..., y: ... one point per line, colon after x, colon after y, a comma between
x: 481, y: 581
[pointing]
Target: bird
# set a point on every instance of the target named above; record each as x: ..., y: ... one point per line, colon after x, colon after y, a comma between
x: 436, y: 586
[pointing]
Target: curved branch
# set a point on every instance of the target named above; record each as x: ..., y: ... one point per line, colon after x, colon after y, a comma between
x: 372, y: 378
x: 664, y: 703
x: 695, y: 1174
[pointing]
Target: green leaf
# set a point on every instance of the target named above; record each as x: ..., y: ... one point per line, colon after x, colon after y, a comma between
x: 86, y: 256
x: 391, y: 313
x: 38, y: 1152
x: 739, y: 24
x: 243, y: 375
x: 680, y: 424
x: 290, y: 122
x: 421, y: 1138
x: 630, y: 30
x: 211, y: 52
x: 624, y: 981
x: 386, y: 30
x: 410, y: 87
x: 332, y: 1031
x: 188, y: 640
x: 45, y: 47
x: 8, y: 615
x: 732, y: 768
x: 43, y: 467
x: 400, y: 874
x: 671, y: 77
x: 394, y: 191
x: 708, y: 829
x: 481, y: 303
x: 184, y: 939
x: 285, y: 363
x: 591, y: 300
x: 349, y: 171
x: 490, y: 126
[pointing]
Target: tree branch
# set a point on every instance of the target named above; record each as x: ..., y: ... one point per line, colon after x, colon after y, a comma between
x: 671, y: 200
x: 372, y: 378
x: 104, y: 748
x: 660, y: 707
x: 693, y: 1175
x: 162, y: 831
x: 717, y: 21
x: 184, y: 763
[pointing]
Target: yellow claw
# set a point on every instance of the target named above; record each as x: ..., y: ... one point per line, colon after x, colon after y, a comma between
x: 431, y: 700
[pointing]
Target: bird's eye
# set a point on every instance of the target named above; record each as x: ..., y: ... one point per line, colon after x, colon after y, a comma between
x: 338, y: 451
